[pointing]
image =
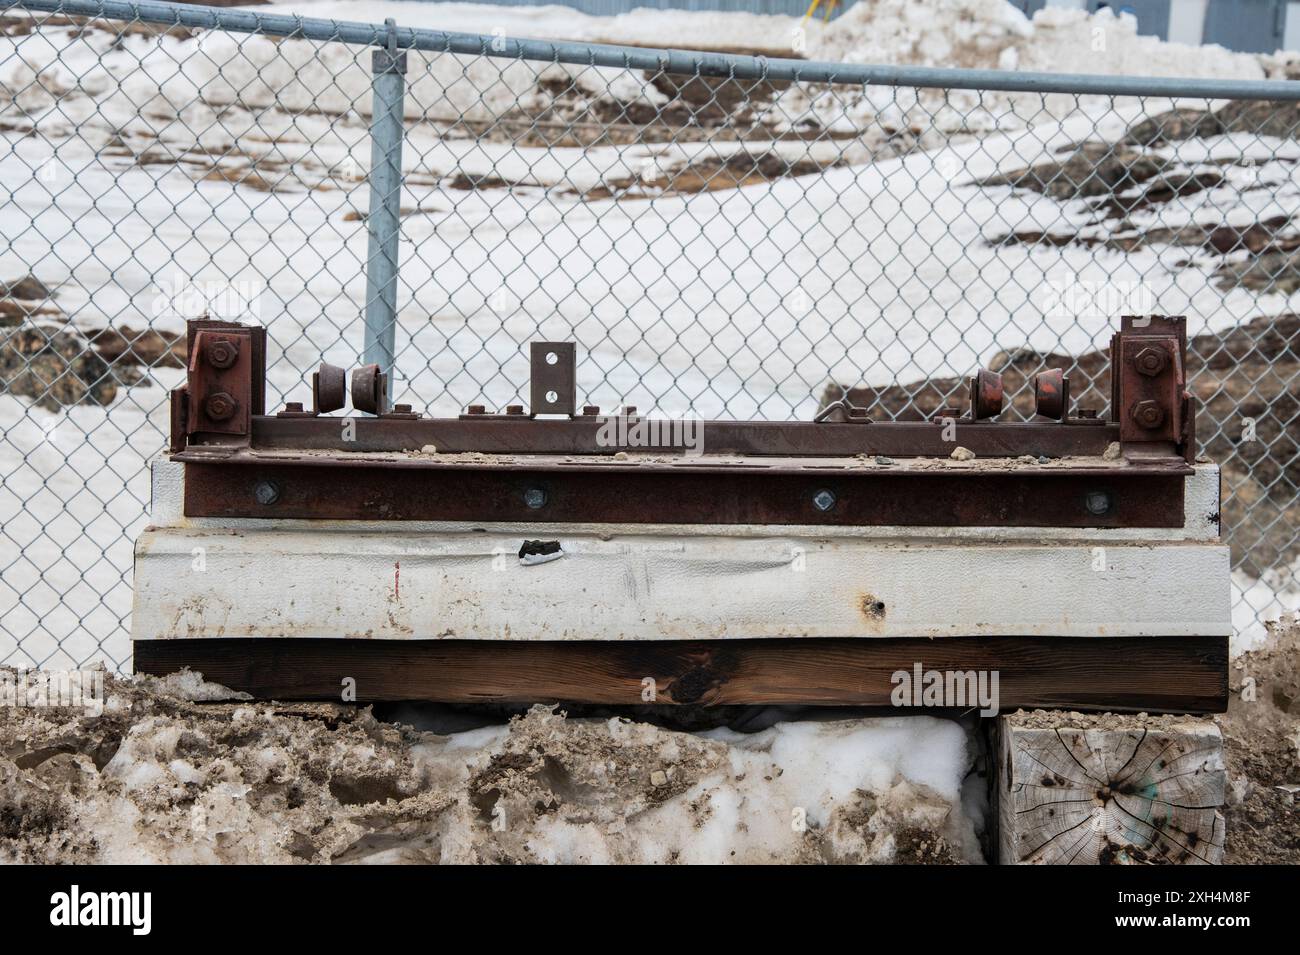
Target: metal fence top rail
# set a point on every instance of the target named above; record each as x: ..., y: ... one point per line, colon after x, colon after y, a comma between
x: 680, y: 62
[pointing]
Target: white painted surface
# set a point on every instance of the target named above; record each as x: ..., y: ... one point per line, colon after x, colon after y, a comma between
x: 1201, y: 506
x: 293, y: 583
x: 1187, y: 21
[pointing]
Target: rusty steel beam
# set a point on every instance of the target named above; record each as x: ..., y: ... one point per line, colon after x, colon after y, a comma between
x: 1030, y: 497
x: 510, y: 434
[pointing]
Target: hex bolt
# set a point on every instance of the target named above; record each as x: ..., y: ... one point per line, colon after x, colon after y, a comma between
x: 535, y: 498
x: 266, y: 492
x: 824, y: 499
x: 514, y: 409
x: 220, y: 406
x: 1151, y: 361
x: 1148, y: 414
x: 476, y: 409
x: 222, y: 353
x: 591, y: 409
x: 1097, y: 503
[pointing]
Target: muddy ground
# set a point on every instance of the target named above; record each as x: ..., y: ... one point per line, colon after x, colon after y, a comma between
x: 176, y: 770
x: 1261, y: 733
x: 167, y: 773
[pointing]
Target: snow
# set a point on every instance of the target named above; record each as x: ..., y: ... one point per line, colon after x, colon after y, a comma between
x: 258, y: 782
x: 1254, y: 601
x: 994, y: 35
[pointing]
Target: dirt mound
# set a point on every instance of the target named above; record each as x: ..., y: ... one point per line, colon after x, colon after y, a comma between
x: 1135, y: 193
x: 1262, y: 748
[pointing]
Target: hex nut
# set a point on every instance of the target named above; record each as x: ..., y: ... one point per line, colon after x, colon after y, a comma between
x: 1151, y: 361
x: 220, y: 406
x: 1148, y: 414
x: 222, y: 353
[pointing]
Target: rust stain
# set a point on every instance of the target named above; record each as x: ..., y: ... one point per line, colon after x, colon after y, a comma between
x: 872, y: 608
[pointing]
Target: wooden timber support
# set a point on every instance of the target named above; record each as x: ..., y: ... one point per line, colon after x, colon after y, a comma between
x: 1078, y: 790
x: 1171, y: 674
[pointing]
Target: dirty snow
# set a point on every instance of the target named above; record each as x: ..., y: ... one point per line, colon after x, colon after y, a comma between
x: 156, y: 778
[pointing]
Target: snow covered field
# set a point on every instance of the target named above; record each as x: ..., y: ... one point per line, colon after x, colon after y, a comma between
x: 139, y: 169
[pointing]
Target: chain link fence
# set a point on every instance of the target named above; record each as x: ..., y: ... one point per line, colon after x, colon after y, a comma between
x: 723, y: 236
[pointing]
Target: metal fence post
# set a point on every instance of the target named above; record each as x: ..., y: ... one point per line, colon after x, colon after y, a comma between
x: 383, y: 222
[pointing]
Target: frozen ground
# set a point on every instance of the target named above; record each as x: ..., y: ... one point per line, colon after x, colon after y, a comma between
x: 158, y: 779
x: 140, y: 167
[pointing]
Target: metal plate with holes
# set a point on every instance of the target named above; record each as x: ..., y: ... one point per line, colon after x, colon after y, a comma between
x: 552, y: 387
x: 1027, y: 498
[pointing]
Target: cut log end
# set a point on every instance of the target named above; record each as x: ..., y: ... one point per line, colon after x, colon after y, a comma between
x: 1110, y: 790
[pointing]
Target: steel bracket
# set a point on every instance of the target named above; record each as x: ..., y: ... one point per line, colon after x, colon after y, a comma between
x: 552, y: 381
x: 1149, y: 380
x: 225, y: 384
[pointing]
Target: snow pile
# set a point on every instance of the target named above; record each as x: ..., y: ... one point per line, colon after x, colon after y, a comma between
x: 1072, y: 41
x: 93, y: 75
x: 159, y: 779
x: 699, y: 29
x: 994, y: 35
x: 977, y: 34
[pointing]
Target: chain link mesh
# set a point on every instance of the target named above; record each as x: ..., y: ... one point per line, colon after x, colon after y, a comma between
x: 717, y: 247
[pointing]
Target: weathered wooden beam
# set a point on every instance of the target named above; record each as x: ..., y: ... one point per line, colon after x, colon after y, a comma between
x: 1080, y: 790
x: 1154, y: 674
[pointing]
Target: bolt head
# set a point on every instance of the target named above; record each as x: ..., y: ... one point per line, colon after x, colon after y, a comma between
x: 824, y: 500
x: 1097, y: 503
x: 222, y: 353
x: 1148, y: 414
x: 266, y: 492
x: 535, y: 498
x: 220, y: 406
x: 1151, y: 361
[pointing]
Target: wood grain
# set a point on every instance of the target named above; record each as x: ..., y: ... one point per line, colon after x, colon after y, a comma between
x: 1120, y: 794
x: 1155, y: 674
